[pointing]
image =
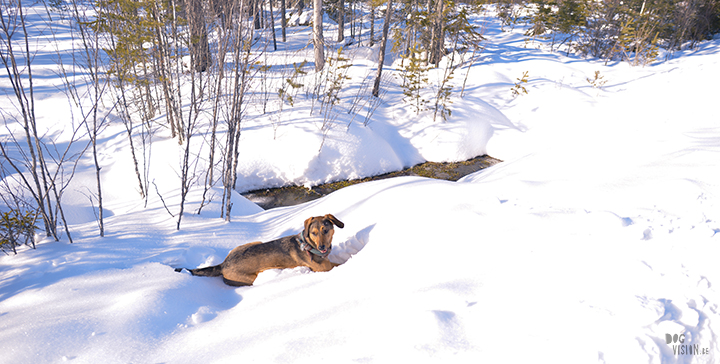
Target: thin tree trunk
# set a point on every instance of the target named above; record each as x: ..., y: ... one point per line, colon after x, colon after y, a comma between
x: 430, y: 21
x: 101, y: 224
x: 185, y: 179
x: 438, y: 38
x: 318, y: 41
x: 272, y: 25
x: 163, y: 52
x: 372, y: 24
x: 257, y: 9
x: 283, y: 20
x: 196, y: 97
x: 93, y: 137
x: 27, y: 108
x: 211, y: 161
x: 467, y: 73
x: 199, y: 44
x: 128, y: 127
x: 354, y: 19
x: 341, y: 21
x: 177, y: 43
x: 224, y: 36
x: 241, y: 61
x: 381, y: 61
x: 58, y: 205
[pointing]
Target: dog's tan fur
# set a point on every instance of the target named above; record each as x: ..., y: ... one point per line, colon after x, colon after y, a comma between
x: 245, y: 262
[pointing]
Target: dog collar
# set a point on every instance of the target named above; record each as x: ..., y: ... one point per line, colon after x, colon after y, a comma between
x: 309, y: 248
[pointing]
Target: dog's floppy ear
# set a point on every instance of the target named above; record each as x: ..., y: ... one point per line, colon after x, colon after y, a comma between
x: 335, y: 221
x: 307, y: 223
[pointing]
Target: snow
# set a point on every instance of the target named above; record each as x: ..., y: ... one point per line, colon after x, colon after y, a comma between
x: 594, y: 239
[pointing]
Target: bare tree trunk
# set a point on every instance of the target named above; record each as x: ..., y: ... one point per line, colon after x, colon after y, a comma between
x: 341, y: 21
x: 372, y: 24
x: 12, y: 19
x: 13, y: 23
x: 438, y: 37
x: 354, y: 23
x: 318, y: 41
x: 211, y: 161
x: 92, y: 54
x: 59, y: 208
x: 101, y: 223
x: 383, y: 45
x: 177, y: 44
x: 431, y: 23
x: 129, y: 127
x: 257, y: 9
x: 185, y: 167
x: 225, y: 37
x: 272, y: 25
x: 164, y: 67
x: 283, y: 20
x: 197, y: 90
x: 199, y: 45
x: 241, y: 79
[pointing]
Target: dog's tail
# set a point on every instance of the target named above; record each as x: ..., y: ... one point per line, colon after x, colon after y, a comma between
x: 214, y: 271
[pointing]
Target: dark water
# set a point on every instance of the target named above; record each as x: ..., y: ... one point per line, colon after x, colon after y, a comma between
x: 293, y: 195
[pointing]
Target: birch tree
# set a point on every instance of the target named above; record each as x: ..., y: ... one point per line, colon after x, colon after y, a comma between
x: 318, y: 40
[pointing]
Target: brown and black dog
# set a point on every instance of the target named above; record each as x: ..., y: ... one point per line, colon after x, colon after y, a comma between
x: 310, y: 249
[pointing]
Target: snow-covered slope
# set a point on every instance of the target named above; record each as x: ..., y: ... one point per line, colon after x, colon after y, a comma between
x: 596, y: 238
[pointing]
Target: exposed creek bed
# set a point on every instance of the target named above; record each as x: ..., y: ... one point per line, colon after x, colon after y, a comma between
x: 293, y: 195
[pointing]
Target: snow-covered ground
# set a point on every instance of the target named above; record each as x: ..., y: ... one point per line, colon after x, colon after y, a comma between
x: 594, y: 240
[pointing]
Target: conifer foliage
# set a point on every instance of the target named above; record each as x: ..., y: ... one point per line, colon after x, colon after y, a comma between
x: 17, y: 228
x: 627, y: 30
x: 415, y: 80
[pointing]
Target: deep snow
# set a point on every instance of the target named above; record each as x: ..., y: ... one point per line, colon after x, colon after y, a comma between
x: 596, y: 237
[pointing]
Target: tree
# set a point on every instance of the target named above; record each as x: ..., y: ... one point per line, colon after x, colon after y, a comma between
x: 17, y: 227
x: 415, y: 80
x: 90, y: 60
x: 372, y: 23
x: 318, y: 40
x: 199, y: 46
x: 341, y: 20
x: 383, y: 45
x: 437, y: 38
x: 127, y: 31
x: 637, y: 41
x: 283, y: 19
x: 38, y: 165
x: 234, y: 88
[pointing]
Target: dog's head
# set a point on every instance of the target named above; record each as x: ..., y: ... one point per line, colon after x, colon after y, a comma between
x: 319, y: 231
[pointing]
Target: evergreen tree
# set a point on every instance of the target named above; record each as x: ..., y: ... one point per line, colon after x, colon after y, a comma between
x: 571, y: 20
x: 415, y: 80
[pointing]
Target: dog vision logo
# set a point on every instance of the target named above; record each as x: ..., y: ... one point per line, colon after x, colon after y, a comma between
x: 677, y: 342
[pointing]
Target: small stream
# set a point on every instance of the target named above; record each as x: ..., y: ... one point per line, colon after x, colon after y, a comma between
x: 294, y: 195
